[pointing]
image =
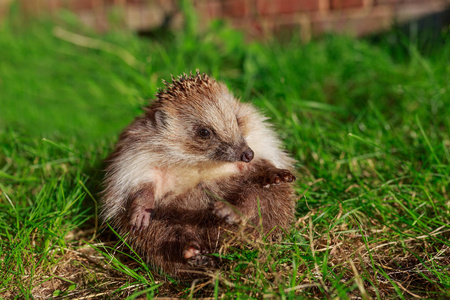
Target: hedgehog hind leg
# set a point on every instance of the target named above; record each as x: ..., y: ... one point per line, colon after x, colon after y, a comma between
x: 178, y: 250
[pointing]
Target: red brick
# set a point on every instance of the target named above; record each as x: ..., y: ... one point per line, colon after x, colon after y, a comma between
x: 235, y: 8
x: 378, y: 2
x: 265, y: 7
x: 293, y: 6
x: 324, y: 5
x: 210, y: 9
x: 338, y: 4
x: 357, y: 23
x: 136, y: 2
x: 269, y: 7
x: 251, y: 27
x: 83, y: 4
x: 118, y: 2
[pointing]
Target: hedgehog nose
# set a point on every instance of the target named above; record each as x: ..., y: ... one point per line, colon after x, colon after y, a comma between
x: 247, y: 155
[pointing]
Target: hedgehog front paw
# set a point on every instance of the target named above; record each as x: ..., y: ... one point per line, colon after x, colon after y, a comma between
x: 196, y: 256
x: 226, y: 212
x: 140, y: 217
x: 277, y: 176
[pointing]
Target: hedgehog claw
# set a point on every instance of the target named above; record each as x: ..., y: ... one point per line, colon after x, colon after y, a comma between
x: 277, y: 176
x: 191, y: 250
x: 196, y: 255
x: 140, y: 218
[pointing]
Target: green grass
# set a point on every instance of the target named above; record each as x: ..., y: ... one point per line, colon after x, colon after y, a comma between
x: 370, y: 133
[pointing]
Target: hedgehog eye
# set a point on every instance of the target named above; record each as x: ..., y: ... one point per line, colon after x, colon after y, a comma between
x: 203, y: 132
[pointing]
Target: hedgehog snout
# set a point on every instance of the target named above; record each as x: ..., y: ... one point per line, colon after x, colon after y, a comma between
x: 247, y: 155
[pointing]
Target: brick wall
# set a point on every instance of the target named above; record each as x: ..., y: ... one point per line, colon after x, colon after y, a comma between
x: 257, y: 18
x: 311, y: 17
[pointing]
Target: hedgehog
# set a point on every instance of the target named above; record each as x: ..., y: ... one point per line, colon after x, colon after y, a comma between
x: 195, y: 166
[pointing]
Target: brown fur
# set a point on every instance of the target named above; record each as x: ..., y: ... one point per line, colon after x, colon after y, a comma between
x: 196, y: 165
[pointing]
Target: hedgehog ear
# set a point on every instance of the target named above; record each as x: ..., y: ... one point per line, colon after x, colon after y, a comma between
x: 159, y: 118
